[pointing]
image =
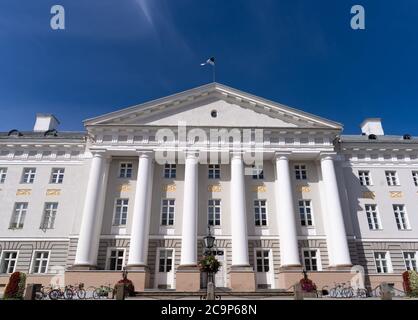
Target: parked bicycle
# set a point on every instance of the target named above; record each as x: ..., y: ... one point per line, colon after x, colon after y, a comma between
x: 77, y: 291
x: 59, y: 293
x: 103, y: 292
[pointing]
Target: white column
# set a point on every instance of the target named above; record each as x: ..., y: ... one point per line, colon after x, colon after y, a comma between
x: 289, y: 254
x: 138, y: 247
x: 238, y: 213
x: 190, y: 211
x: 337, y: 237
x: 91, y: 213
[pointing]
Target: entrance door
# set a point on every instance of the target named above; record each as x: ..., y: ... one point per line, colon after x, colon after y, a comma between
x: 264, y: 267
x: 220, y: 276
x: 165, y: 272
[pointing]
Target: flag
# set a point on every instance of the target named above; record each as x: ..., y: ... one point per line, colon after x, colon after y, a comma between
x: 210, y: 61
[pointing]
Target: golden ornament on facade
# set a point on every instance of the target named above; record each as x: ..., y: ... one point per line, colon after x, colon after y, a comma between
x: 396, y: 194
x: 169, y: 188
x: 304, y: 189
x: 125, y: 188
x: 53, y: 192
x: 369, y: 195
x: 214, y: 188
x: 259, y: 189
x: 23, y: 192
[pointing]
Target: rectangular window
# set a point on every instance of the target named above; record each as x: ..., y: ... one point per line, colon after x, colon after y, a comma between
x: 121, y: 212
x: 410, y: 259
x: 373, y: 218
x: 305, y: 212
x: 214, y: 212
x: 8, y: 262
x: 165, y: 261
x: 28, y: 175
x: 214, y: 171
x: 401, y: 217
x: 48, y: 218
x: 364, y: 177
x: 392, y: 178
x: 125, y: 170
x: 167, y: 212
x: 57, y: 175
x: 40, y: 262
x: 382, y: 262
x: 18, y: 215
x: 170, y: 171
x: 300, y: 172
x: 3, y: 173
x: 414, y: 177
x: 258, y: 173
x: 310, y: 260
x: 260, y: 212
x: 263, y: 260
x: 116, y: 259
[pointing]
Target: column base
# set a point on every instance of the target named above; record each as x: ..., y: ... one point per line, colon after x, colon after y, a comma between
x: 291, y: 267
x: 341, y: 267
x: 242, y: 278
x: 82, y: 267
x: 139, y: 274
x: 187, y: 278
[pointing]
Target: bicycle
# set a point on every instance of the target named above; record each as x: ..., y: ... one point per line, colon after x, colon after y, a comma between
x: 103, y: 292
x: 341, y: 290
x: 59, y: 293
x: 77, y: 290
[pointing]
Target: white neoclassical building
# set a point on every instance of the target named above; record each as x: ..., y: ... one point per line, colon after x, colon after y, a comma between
x: 282, y: 191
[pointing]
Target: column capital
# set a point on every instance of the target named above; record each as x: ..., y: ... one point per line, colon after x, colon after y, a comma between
x: 145, y: 153
x: 328, y: 156
x: 281, y: 156
x: 99, y: 153
x: 191, y: 153
x: 236, y: 155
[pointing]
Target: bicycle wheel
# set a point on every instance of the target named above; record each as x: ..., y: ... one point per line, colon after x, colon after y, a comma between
x: 54, y: 294
x: 348, y: 293
x: 68, y: 294
x: 333, y: 293
x: 81, y: 294
x: 97, y: 294
x: 362, y: 293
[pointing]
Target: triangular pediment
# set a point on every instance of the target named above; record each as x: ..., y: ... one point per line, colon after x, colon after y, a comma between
x: 213, y: 105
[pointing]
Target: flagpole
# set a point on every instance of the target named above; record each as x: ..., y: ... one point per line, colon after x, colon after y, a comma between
x: 214, y: 73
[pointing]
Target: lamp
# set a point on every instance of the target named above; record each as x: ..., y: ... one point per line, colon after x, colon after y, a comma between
x: 209, y: 240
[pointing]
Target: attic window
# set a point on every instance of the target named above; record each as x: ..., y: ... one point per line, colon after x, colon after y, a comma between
x: 14, y: 133
x: 51, y: 132
x: 407, y: 137
x: 372, y: 137
x: 214, y: 114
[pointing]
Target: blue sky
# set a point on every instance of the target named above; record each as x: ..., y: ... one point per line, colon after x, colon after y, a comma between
x: 302, y: 53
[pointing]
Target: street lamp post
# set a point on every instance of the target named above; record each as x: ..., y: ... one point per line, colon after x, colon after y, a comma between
x: 209, y: 244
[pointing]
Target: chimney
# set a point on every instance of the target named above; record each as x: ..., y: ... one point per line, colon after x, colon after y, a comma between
x: 372, y: 126
x: 45, y: 122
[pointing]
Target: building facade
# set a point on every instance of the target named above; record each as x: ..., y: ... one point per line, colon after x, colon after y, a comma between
x: 282, y: 191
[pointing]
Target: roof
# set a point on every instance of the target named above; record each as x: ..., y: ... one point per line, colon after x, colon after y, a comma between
x: 379, y: 139
x: 31, y: 135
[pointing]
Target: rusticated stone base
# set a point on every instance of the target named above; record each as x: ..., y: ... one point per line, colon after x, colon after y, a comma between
x: 242, y: 278
x: 187, y: 279
x: 286, y: 279
x: 97, y: 278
